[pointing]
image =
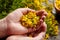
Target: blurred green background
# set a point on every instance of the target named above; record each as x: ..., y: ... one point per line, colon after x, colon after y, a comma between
x: 6, y: 6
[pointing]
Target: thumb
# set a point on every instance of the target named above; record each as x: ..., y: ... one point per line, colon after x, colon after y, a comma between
x: 40, y: 36
x: 43, y: 31
x: 16, y: 28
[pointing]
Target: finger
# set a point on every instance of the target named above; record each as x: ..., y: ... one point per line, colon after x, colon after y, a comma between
x: 16, y: 15
x: 19, y: 37
x: 43, y: 27
x: 43, y: 17
x: 40, y: 36
x: 16, y: 28
x: 26, y: 10
x: 41, y: 12
x: 39, y: 24
x: 41, y: 21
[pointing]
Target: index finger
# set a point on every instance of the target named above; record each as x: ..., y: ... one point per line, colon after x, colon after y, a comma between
x: 43, y: 27
x: 41, y: 12
x: 26, y: 10
x: 40, y: 36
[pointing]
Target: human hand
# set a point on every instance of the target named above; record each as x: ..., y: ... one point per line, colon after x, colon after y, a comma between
x: 13, y: 20
x: 13, y: 24
x: 40, y: 36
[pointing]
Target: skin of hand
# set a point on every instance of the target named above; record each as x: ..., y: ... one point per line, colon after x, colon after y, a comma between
x: 13, y: 20
x: 13, y: 26
x: 40, y: 36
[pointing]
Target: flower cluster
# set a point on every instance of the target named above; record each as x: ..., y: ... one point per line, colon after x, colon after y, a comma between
x: 52, y: 26
x: 57, y: 3
x: 30, y: 20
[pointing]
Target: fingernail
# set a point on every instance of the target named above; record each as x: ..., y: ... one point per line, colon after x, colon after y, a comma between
x: 41, y: 21
x: 43, y: 17
x: 45, y: 13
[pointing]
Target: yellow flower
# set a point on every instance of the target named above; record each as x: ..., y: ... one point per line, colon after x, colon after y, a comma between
x: 49, y: 15
x: 58, y: 3
x: 50, y: 22
x: 47, y: 36
x: 24, y: 18
x: 56, y: 33
x: 56, y: 27
x: 31, y: 15
x: 34, y: 21
x: 37, y: 2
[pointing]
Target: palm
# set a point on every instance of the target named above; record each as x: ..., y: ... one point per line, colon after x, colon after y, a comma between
x: 14, y: 26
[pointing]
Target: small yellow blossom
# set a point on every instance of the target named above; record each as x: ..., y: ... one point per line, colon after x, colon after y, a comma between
x: 57, y: 3
x: 47, y: 36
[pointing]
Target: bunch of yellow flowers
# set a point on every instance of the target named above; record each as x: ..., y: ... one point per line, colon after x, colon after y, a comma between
x: 30, y: 20
x: 52, y: 25
x: 57, y: 3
